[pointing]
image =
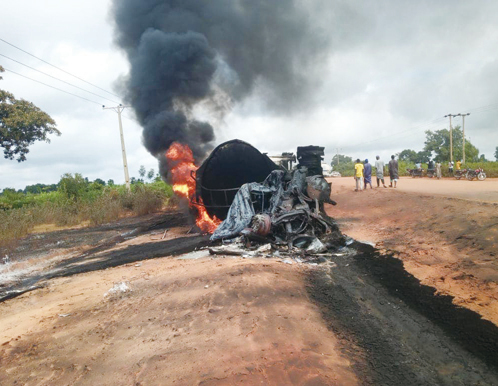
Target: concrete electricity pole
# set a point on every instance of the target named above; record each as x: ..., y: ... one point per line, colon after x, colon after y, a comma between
x: 451, y: 136
x: 463, y: 132
x: 119, y: 109
x: 338, y: 150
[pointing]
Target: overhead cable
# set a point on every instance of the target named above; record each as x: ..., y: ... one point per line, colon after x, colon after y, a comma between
x: 60, y: 69
x: 55, y: 88
x: 60, y: 80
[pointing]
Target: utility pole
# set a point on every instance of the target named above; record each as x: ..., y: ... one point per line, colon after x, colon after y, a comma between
x: 338, y: 158
x: 451, y: 136
x: 119, y: 109
x: 463, y: 132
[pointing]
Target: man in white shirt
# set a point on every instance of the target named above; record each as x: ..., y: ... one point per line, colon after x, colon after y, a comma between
x: 379, y: 171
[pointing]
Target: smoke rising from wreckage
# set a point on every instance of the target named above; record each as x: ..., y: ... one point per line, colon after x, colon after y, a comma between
x: 215, y: 53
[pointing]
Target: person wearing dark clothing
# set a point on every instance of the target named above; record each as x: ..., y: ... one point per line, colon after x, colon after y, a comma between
x: 367, y: 174
x: 393, y: 171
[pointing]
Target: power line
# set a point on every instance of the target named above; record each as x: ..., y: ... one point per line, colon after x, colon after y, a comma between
x: 422, y: 125
x: 55, y: 88
x: 60, y: 80
x: 64, y: 91
x: 60, y: 69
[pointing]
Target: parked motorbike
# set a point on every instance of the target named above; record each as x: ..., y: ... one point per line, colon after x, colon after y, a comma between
x: 431, y: 173
x: 460, y: 173
x: 415, y: 172
x: 476, y: 173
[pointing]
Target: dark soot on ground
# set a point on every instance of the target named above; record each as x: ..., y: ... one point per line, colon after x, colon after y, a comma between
x: 398, y: 331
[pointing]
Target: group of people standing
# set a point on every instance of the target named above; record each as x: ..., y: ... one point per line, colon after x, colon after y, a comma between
x: 363, y: 173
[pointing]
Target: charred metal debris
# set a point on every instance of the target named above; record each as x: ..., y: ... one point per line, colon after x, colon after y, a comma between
x: 283, y: 215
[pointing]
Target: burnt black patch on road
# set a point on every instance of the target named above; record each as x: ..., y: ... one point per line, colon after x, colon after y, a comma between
x: 397, y: 331
x: 477, y: 335
x: 114, y: 258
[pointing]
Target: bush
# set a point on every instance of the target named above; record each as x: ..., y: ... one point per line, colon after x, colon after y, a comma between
x: 146, y: 200
x: 103, y: 210
x: 73, y: 187
x: 75, y: 202
x: 14, y: 224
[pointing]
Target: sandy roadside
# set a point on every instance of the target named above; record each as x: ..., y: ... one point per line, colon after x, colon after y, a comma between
x: 183, y: 322
x: 445, y: 240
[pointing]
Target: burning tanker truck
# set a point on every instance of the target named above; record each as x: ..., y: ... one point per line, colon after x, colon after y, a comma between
x: 240, y: 194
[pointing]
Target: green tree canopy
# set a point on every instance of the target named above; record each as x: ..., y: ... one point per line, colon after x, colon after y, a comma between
x: 150, y: 174
x: 142, y: 171
x: 496, y: 153
x: 341, y: 159
x: 21, y: 125
x: 73, y: 186
x: 408, y: 155
x: 439, y: 143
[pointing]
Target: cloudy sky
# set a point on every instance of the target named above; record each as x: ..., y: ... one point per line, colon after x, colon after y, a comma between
x: 390, y: 71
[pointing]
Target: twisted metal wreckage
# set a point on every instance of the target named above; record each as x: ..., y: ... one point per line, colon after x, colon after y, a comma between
x: 283, y: 214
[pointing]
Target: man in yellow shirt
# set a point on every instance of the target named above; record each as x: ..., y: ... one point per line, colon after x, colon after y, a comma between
x: 358, y: 174
x: 458, y: 165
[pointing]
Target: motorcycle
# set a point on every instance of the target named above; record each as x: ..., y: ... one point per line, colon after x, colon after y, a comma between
x: 415, y: 172
x: 460, y: 173
x: 476, y: 173
x: 431, y: 173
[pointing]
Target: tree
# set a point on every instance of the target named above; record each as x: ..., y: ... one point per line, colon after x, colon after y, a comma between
x: 424, y: 156
x: 142, y: 171
x: 439, y: 143
x: 21, y: 125
x: 39, y: 188
x: 496, y: 153
x: 73, y: 187
x: 341, y: 159
x: 99, y: 181
x: 110, y: 182
x: 150, y: 174
x: 408, y: 155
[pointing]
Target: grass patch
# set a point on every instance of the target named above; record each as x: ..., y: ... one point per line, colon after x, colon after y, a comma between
x: 83, y: 205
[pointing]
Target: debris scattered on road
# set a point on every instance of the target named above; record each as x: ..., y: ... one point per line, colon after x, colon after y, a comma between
x: 64, y: 315
x: 118, y: 288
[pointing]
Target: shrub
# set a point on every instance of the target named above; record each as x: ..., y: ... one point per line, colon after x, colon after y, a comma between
x: 103, y: 210
x: 147, y: 200
x: 14, y: 224
x: 76, y: 201
x: 73, y: 187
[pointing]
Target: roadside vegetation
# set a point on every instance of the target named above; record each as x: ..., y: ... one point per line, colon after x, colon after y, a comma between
x: 490, y: 168
x: 74, y: 201
x: 437, y: 148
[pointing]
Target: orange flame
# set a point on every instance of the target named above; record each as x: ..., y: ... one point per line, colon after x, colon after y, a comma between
x: 182, y: 174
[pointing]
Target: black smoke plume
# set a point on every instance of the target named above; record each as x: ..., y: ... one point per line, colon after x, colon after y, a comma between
x: 216, y: 52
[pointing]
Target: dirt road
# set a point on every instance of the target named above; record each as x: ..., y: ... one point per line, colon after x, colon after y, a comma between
x: 482, y: 191
x: 365, y: 316
x: 448, y: 242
